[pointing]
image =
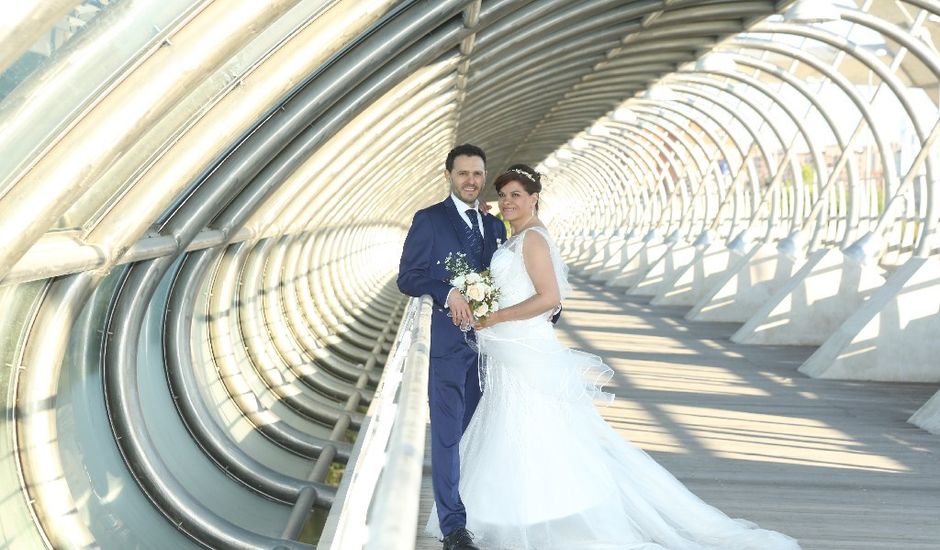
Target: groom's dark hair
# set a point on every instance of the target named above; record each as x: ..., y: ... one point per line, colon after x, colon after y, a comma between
x: 466, y: 150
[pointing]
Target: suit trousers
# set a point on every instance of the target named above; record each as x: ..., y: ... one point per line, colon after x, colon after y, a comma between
x: 453, y: 395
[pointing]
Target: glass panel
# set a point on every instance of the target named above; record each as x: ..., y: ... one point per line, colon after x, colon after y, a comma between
x: 69, y: 79
x: 126, y: 172
x: 19, y: 303
x: 58, y: 36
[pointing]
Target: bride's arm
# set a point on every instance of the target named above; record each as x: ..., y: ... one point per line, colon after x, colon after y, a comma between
x: 538, y: 264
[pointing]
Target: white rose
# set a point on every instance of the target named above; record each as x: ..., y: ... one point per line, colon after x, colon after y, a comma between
x: 458, y: 282
x: 473, y: 278
x: 481, y: 310
x: 476, y: 292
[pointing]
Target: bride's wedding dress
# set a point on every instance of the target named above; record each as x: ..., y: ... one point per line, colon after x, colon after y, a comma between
x: 541, y: 469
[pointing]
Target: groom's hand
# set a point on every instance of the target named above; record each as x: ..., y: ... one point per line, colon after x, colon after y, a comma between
x: 459, y: 309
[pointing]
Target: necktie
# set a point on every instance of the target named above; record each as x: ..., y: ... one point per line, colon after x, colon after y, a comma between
x: 475, y: 239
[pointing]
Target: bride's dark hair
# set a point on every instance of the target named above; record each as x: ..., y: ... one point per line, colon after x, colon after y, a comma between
x: 530, y: 180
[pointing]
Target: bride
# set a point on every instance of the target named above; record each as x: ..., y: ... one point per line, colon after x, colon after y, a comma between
x: 540, y: 469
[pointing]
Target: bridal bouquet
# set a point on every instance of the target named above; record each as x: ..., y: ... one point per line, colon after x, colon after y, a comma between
x: 478, y: 288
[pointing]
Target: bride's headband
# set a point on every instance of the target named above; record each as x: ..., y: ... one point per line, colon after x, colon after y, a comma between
x: 524, y: 173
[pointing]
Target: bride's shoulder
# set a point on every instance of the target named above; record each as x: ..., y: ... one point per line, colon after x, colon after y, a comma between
x: 540, y: 231
x: 535, y: 234
x: 537, y: 237
x: 520, y: 236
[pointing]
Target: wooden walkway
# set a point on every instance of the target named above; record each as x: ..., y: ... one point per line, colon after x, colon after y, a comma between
x: 831, y: 463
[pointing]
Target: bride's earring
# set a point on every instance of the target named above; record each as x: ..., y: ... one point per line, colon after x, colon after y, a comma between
x: 532, y: 213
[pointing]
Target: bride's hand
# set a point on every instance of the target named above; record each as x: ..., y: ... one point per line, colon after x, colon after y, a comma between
x: 487, y: 321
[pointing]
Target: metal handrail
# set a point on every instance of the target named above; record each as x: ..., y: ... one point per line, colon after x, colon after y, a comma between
x: 377, y: 503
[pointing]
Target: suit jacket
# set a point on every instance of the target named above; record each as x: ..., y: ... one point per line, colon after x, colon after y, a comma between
x: 435, y: 232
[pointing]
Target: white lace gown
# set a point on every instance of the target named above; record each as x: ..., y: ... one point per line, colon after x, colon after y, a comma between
x: 541, y: 469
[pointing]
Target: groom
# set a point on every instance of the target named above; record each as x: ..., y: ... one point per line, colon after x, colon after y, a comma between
x: 455, y: 225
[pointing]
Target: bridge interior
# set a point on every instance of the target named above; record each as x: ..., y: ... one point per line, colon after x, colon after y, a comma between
x: 202, y: 205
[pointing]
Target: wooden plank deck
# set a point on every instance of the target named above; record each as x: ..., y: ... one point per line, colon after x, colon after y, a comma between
x: 830, y: 462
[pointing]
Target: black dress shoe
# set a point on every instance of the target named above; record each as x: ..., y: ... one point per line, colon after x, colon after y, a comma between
x: 460, y: 539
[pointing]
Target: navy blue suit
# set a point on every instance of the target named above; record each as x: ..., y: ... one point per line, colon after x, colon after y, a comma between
x: 453, y: 385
